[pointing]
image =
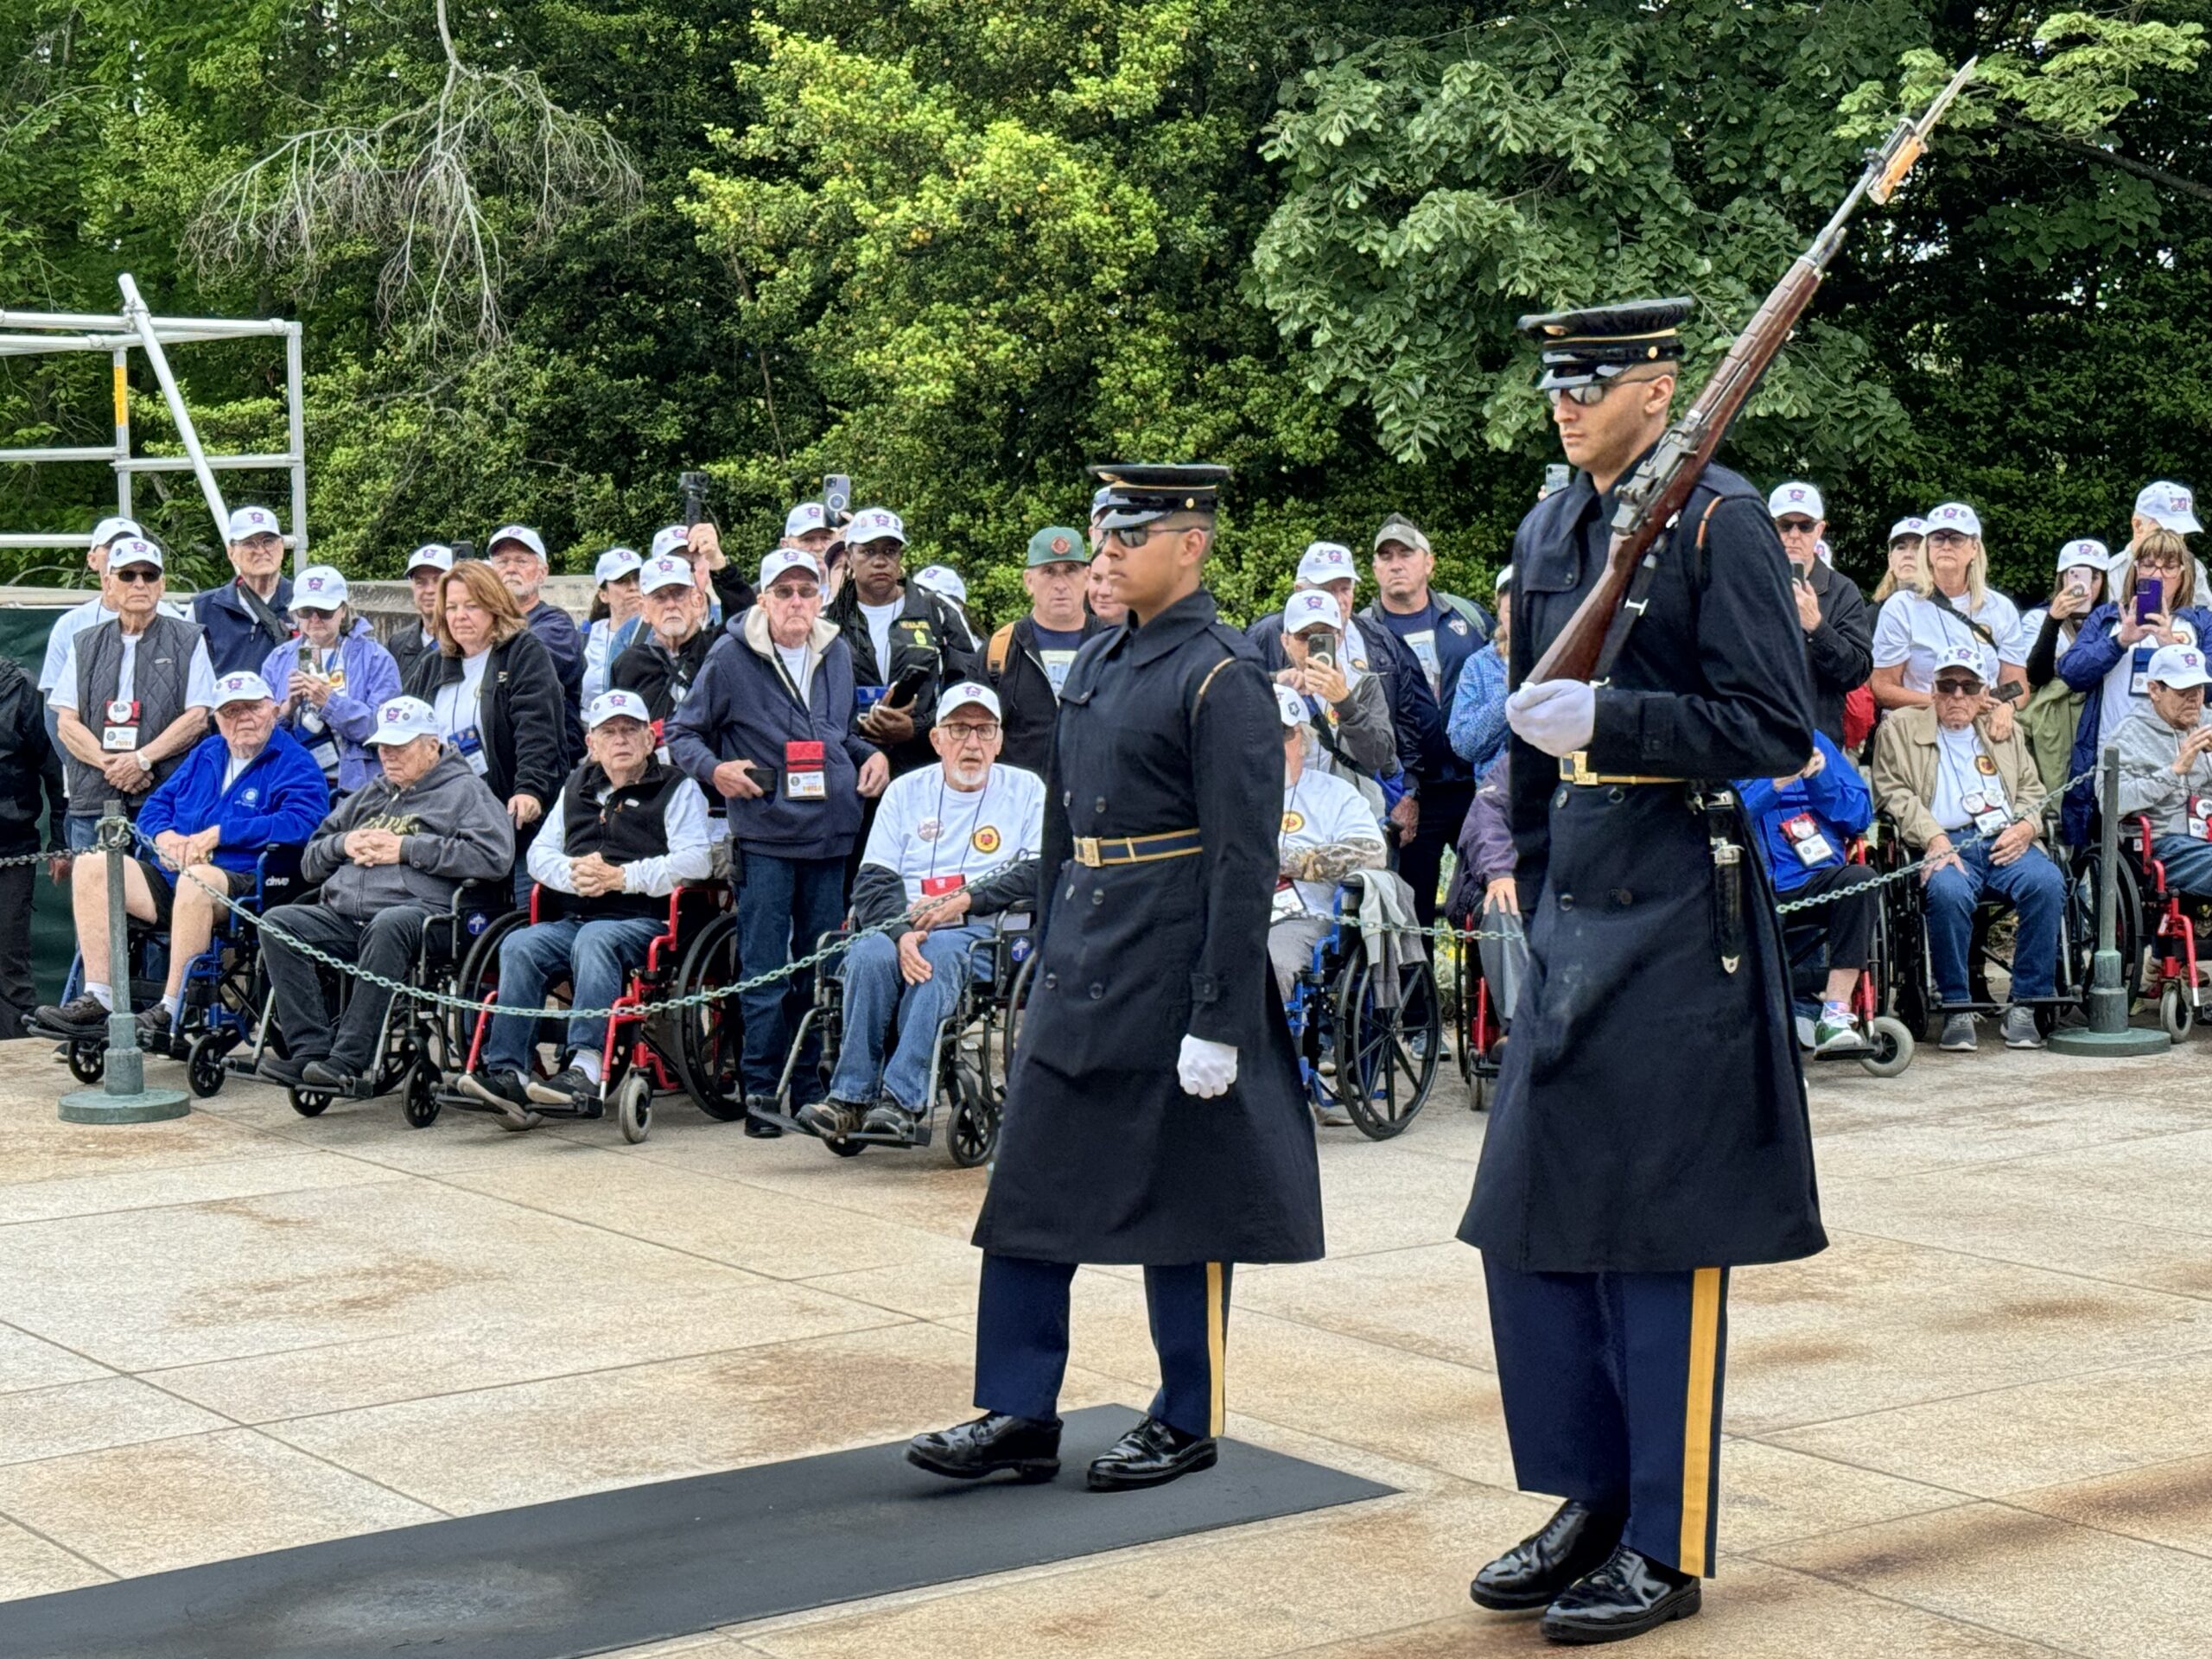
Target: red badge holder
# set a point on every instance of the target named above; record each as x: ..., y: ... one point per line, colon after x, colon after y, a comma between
x: 936, y: 887
x: 803, y: 779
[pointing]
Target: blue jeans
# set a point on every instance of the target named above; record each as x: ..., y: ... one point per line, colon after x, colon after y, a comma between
x: 82, y: 833
x: 2188, y: 862
x: 784, y: 904
x: 874, y: 994
x: 2037, y: 892
x: 596, y: 957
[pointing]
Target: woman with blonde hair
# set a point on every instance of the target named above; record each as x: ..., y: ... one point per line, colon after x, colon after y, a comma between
x: 1949, y: 604
x: 2155, y: 602
x: 497, y: 697
x: 1905, y: 537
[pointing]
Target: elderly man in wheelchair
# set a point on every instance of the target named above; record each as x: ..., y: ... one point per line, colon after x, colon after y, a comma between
x: 950, y: 845
x: 2165, y: 767
x: 247, y: 788
x: 1328, y: 831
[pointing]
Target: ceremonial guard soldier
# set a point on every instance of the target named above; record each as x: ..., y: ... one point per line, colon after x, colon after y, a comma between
x: 1154, y: 1115
x: 1649, y: 1130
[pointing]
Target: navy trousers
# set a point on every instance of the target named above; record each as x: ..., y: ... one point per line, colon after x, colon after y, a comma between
x: 1021, y: 1338
x: 1612, y: 1386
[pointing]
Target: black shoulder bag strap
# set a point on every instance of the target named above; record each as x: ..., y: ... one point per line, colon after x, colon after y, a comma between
x: 267, y: 620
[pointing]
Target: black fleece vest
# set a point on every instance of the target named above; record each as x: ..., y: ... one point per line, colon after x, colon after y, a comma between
x: 632, y: 824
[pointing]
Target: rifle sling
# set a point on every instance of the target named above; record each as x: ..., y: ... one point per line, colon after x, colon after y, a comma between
x: 1639, y: 591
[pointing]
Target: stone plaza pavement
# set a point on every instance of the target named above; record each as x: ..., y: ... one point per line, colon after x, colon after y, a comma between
x: 1977, y: 1428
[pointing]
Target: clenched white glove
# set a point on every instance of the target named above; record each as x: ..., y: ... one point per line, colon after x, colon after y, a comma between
x: 1558, y: 716
x: 1206, y: 1069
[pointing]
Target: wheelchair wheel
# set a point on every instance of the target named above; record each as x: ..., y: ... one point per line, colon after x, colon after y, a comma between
x: 309, y: 1102
x: 634, y: 1106
x: 712, y: 1037
x: 1889, y: 1046
x: 477, y: 977
x: 87, y: 1061
x: 2176, y: 1014
x: 1017, y: 1004
x: 973, y: 1133
x: 204, y: 1073
x: 418, y: 1098
x: 1386, y: 1058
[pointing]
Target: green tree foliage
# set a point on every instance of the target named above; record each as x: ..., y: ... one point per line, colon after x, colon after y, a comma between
x: 2043, y: 259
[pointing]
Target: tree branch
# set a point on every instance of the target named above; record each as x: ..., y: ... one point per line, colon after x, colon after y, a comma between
x: 2090, y: 152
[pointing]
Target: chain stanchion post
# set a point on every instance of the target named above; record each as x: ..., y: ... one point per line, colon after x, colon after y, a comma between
x: 123, y: 1097
x: 2108, y: 1033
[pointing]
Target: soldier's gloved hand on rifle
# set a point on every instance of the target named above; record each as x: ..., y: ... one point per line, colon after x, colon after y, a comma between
x: 1206, y: 1069
x: 1558, y: 715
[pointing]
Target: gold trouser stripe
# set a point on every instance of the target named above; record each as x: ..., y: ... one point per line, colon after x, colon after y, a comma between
x: 1697, y: 1418
x: 1217, y: 1344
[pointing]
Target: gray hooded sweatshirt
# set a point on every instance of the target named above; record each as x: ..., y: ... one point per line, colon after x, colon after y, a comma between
x: 451, y: 827
x: 2148, y: 783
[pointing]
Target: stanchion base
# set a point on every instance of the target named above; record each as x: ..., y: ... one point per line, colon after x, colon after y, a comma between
x: 2108, y: 1045
x: 147, y: 1106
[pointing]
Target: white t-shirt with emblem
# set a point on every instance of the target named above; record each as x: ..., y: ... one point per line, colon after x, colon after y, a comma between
x: 1966, y: 779
x: 929, y: 832
x: 1320, y: 810
x: 1912, y: 631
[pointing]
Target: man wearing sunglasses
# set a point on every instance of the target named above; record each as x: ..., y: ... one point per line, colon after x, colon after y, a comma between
x: 1621, y: 1177
x: 133, y: 694
x: 1154, y: 1115
x: 1838, y: 640
x: 952, y: 846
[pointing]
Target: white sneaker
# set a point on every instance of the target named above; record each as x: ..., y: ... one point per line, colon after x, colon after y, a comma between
x: 1836, y: 1036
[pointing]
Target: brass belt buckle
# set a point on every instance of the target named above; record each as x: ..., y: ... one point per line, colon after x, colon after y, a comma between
x: 1575, y: 767
x: 1086, y: 851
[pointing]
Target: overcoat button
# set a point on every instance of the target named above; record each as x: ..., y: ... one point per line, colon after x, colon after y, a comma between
x: 1566, y: 901
x: 1097, y: 992
x: 1067, y: 798
x: 1560, y: 799
x: 1070, y: 889
x: 1622, y: 897
x: 1101, y: 806
x: 1099, y: 896
x: 1617, y: 795
x: 1051, y: 982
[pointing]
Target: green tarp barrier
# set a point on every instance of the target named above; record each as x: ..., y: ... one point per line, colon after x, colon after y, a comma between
x: 54, y: 935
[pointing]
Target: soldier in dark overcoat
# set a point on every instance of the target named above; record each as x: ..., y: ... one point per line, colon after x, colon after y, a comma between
x: 1154, y: 1115
x: 1649, y: 1130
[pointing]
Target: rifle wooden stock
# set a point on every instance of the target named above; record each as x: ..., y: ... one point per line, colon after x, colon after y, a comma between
x: 1652, y: 500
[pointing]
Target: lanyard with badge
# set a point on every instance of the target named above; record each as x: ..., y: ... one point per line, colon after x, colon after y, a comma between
x: 467, y: 741
x: 983, y: 838
x: 322, y: 748
x: 1985, y: 807
x: 119, y: 733
x: 1807, y: 841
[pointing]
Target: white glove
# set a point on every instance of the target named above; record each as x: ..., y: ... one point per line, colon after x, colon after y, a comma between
x: 1558, y: 716
x: 1206, y: 1069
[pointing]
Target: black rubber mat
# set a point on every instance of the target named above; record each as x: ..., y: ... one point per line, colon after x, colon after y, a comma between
x: 617, y: 1569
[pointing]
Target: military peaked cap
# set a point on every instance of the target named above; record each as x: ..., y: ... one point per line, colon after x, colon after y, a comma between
x: 1599, y: 342
x: 1138, y: 492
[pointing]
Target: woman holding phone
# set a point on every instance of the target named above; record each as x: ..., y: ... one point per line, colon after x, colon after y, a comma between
x: 2155, y: 602
x: 2051, y: 628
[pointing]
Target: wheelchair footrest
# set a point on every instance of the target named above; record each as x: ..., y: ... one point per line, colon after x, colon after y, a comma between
x: 783, y: 1121
x: 916, y: 1138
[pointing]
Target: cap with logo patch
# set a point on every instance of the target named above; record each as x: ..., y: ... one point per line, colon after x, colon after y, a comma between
x: 1904, y: 527
x: 2168, y: 506
x: 1964, y: 656
x: 133, y: 549
x: 613, y: 564
x: 1400, y: 529
x: 108, y: 529
x: 522, y: 533
x: 663, y: 572
x: 875, y: 524
x: 963, y: 694
x: 670, y: 541
x: 240, y: 687
x: 1290, y: 706
x: 943, y: 581
x: 252, y: 521
x: 782, y: 559
x: 1311, y: 608
x: 1955, y: 517
x: 1326, y: 562
x: 402, y: 720
x: 1058, y: 544
x: 805, y: 518
x: 616, y: 705
x: 2178, y: 667
x: 2085, y: 550
x: 431, y: 556
x: 318, y: 588
x: 1797, y: 500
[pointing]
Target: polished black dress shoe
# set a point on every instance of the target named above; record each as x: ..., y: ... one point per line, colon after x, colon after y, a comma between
x: 1629, y: 1595
x: 994, y: 1443
x: 1152, y: 1454
x: 1531, y: 1574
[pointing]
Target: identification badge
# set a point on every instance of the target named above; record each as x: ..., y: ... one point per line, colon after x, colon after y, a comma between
x: 803, y: 780
x: 1812, y: 848
x: 470, y: 743
x: 2200, y: 816
x: 324, y: 754
x: 120, y: 734
x: 865, y: 697
x: 936, y: 887
x: 1990, y: 819
x: 2138, y: 673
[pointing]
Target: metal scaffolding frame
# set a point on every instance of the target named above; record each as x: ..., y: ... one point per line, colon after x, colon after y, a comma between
x: 34, y: 333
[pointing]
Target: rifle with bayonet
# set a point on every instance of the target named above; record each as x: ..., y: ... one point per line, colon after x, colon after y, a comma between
x: 1653, y: 498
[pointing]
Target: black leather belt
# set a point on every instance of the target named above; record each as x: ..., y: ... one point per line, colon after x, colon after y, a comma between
x: 1092, y: 851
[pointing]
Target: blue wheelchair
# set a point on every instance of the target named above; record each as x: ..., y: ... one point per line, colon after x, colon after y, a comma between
x: 1365, y: 1044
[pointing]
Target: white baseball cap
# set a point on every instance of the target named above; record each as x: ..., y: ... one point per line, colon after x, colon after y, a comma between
x: 2179, y: 667
x: 1967, y: 657
x: 436, y: 555
x: 1326, y: 562
x: 806, y: 516
x: 1794, y: 500
x: 318, y: 588
x: 402, y: 720
x: 523, y: 533
x: 873, y: 524
x: 1954, y: 516
x: 786, y: 558
x: 1290, y: 705
x: 1503, y: 580
x: 1904, y: 527
x: 616, y: 705
x: 2169, y: 506
x: 942, y: 580
x: 663, y: 572
x: 108, y: 529
x: 2086, y: 550
x: 670, y: 540
x: 1311, y: 608
x: 252, y: 521
x: 133, y: 549
x: 240, y: 687
x: 960, y: 696
x: 616, y: 564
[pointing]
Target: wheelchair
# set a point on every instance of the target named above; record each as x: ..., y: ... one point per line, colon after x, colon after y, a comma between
x: 1908, y: 959
x: 1480, y: 1031
x: 416, y: 1038
x: 971, y: 1052
x: 642, y: 1058
x: 1890, y: 1042
x: 1357, y: 1046
x: 2155, y: 927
